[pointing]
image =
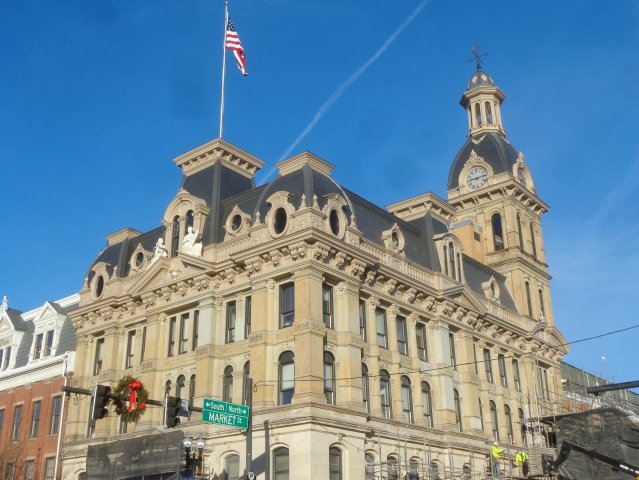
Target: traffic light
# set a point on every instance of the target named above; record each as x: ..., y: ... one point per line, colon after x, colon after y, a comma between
x: 172, y: 411
x: 100, y: 402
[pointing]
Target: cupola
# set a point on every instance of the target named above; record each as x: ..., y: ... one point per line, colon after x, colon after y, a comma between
x: 482, y: 100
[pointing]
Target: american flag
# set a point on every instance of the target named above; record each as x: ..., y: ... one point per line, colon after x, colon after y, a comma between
x: 233, y: 43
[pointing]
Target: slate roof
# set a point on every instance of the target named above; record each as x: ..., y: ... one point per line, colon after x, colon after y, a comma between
x: 480, y: 79
x: 492, y: 147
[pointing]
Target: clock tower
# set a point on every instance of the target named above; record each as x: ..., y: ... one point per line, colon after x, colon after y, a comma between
x: 497, y: 209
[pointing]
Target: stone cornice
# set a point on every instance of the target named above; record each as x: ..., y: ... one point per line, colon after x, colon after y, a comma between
x: 508, y: 187
x: 219, y: 151
x: 417, y: 207
x: 305, y: 158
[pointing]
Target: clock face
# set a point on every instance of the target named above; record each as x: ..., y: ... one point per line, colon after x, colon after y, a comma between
x: 521, y: 176
x: 477, y: 177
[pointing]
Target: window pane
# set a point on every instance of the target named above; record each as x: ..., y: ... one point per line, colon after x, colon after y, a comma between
x: 233, y: 467
x: 48, y: 469
x: 17, y: 422
x: 362, y: 319
x: 56, y: 410
x: 401, y: 335
x: 247, y: 316
x: 380, y: 321
x: 287, y: 305
x: 230, y: 322
x: 48, y: 344
x: 420, y: 334
x: 327, y: 305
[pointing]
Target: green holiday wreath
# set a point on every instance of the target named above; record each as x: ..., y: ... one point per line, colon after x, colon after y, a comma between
x: 131, y: 397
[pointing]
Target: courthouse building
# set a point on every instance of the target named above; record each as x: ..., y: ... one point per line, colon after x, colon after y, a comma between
x: 380, y: 341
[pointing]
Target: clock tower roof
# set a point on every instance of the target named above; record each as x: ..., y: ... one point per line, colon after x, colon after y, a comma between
x: 494, y: 149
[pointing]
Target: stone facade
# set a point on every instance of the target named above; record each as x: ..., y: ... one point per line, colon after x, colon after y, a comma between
x: 377, y: 340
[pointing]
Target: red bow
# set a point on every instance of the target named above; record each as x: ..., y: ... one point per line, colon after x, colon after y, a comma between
x: 133, y: 399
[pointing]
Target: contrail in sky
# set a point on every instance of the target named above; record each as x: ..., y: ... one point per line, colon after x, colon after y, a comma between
x: 348, y: 82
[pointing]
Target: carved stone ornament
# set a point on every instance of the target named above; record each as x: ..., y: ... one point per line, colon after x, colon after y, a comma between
x: 279, y: 217
x: 192, y: 243
x: 394, y: 239
x: 335, y: 219
x: 491, y: 289
x: 237, y: 223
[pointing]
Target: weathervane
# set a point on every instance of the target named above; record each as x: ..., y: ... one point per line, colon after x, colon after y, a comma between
x: 477, y: 57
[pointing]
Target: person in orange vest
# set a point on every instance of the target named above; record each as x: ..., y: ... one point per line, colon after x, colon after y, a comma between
x: 495, y: 457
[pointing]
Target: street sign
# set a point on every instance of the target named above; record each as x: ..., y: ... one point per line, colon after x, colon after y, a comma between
x: 225, y: 413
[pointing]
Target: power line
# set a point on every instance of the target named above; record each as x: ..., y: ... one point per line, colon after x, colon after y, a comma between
x: 476, y: 362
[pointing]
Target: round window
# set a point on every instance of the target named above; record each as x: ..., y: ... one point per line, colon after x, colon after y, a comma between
x: 333, y: 219
x: 236, y: 222
x: 395, y: 240
x: 279, y: 220
x: 99, y: 286
x: 139, y: 259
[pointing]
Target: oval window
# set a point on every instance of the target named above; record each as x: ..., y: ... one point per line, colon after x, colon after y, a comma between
x: 279, y: 220
x: 395, y: 240
x: 99, y: 286
x: 139, y: 259
x: 333, y: 219
x: 236, y: 222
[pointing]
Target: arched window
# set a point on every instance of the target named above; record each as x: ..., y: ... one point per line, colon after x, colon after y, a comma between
x: 446, y: 260
x: 477, y: 115
x: 369, y: 459
x: 280, y: 464
x: 413, y: 469
x: 528, y: 299
x: 189, y: 219
x: 335, y: 463
x: 451, y: 259
x: 498, y: 235
x: 246, y: 373
x: 541, y: 303
x: 385, y: 393
x: 481, y: 415
x: 522, y: 427
x: 459, y: 268
x: 434, y: 471
x: 466, y: 472
x: 227, y: 388
x: 489, y: 112
x: 329, y: 378
x: 427, y: 404
x: 366, y: 388
x: 179, y: 386
x: 82, y: 476
x: 287, y: 378
x: 521, y: 234
x: 458, y: 413
x: 191, y: 392
x: 532, y: 240
x: 407, y: 400
x: 175, y: 236
x: 509, y: 423
x: 232, y: 467
x: 493, y: 419
x: 392, y: 467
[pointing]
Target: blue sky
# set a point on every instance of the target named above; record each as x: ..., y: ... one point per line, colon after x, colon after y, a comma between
x: 97, y: 98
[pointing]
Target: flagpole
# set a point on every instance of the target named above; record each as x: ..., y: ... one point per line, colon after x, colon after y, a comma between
x: 226, y: 22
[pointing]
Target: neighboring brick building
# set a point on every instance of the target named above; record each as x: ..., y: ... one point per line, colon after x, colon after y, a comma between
x: 36, y: 348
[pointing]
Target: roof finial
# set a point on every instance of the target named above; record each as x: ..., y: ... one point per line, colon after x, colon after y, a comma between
x: 477, y: 56
x: 5, y: 304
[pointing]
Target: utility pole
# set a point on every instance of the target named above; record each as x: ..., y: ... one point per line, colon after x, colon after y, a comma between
x: 249, y: 432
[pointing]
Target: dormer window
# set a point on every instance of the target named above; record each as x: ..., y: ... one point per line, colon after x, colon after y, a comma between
x: 43, y: 345
x: 175, y: 236
x: 5, y: 358
x: 452, y: 261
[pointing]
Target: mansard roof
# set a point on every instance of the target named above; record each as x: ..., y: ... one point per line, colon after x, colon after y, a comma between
x: 492, y: 147
x: 306, y: 179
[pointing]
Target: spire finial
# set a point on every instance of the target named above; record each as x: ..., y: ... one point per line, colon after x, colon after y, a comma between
x: 477, y: 57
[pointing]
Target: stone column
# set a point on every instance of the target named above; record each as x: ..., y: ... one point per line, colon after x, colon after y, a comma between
x: 309, y: 337
x: 373, y: 360
x: 204, y: 362
x: 263, y: 364
x: 444, y: 410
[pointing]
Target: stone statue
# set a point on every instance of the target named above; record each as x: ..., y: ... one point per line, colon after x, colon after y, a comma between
x: 159, y: 251
x: 190, y: 243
